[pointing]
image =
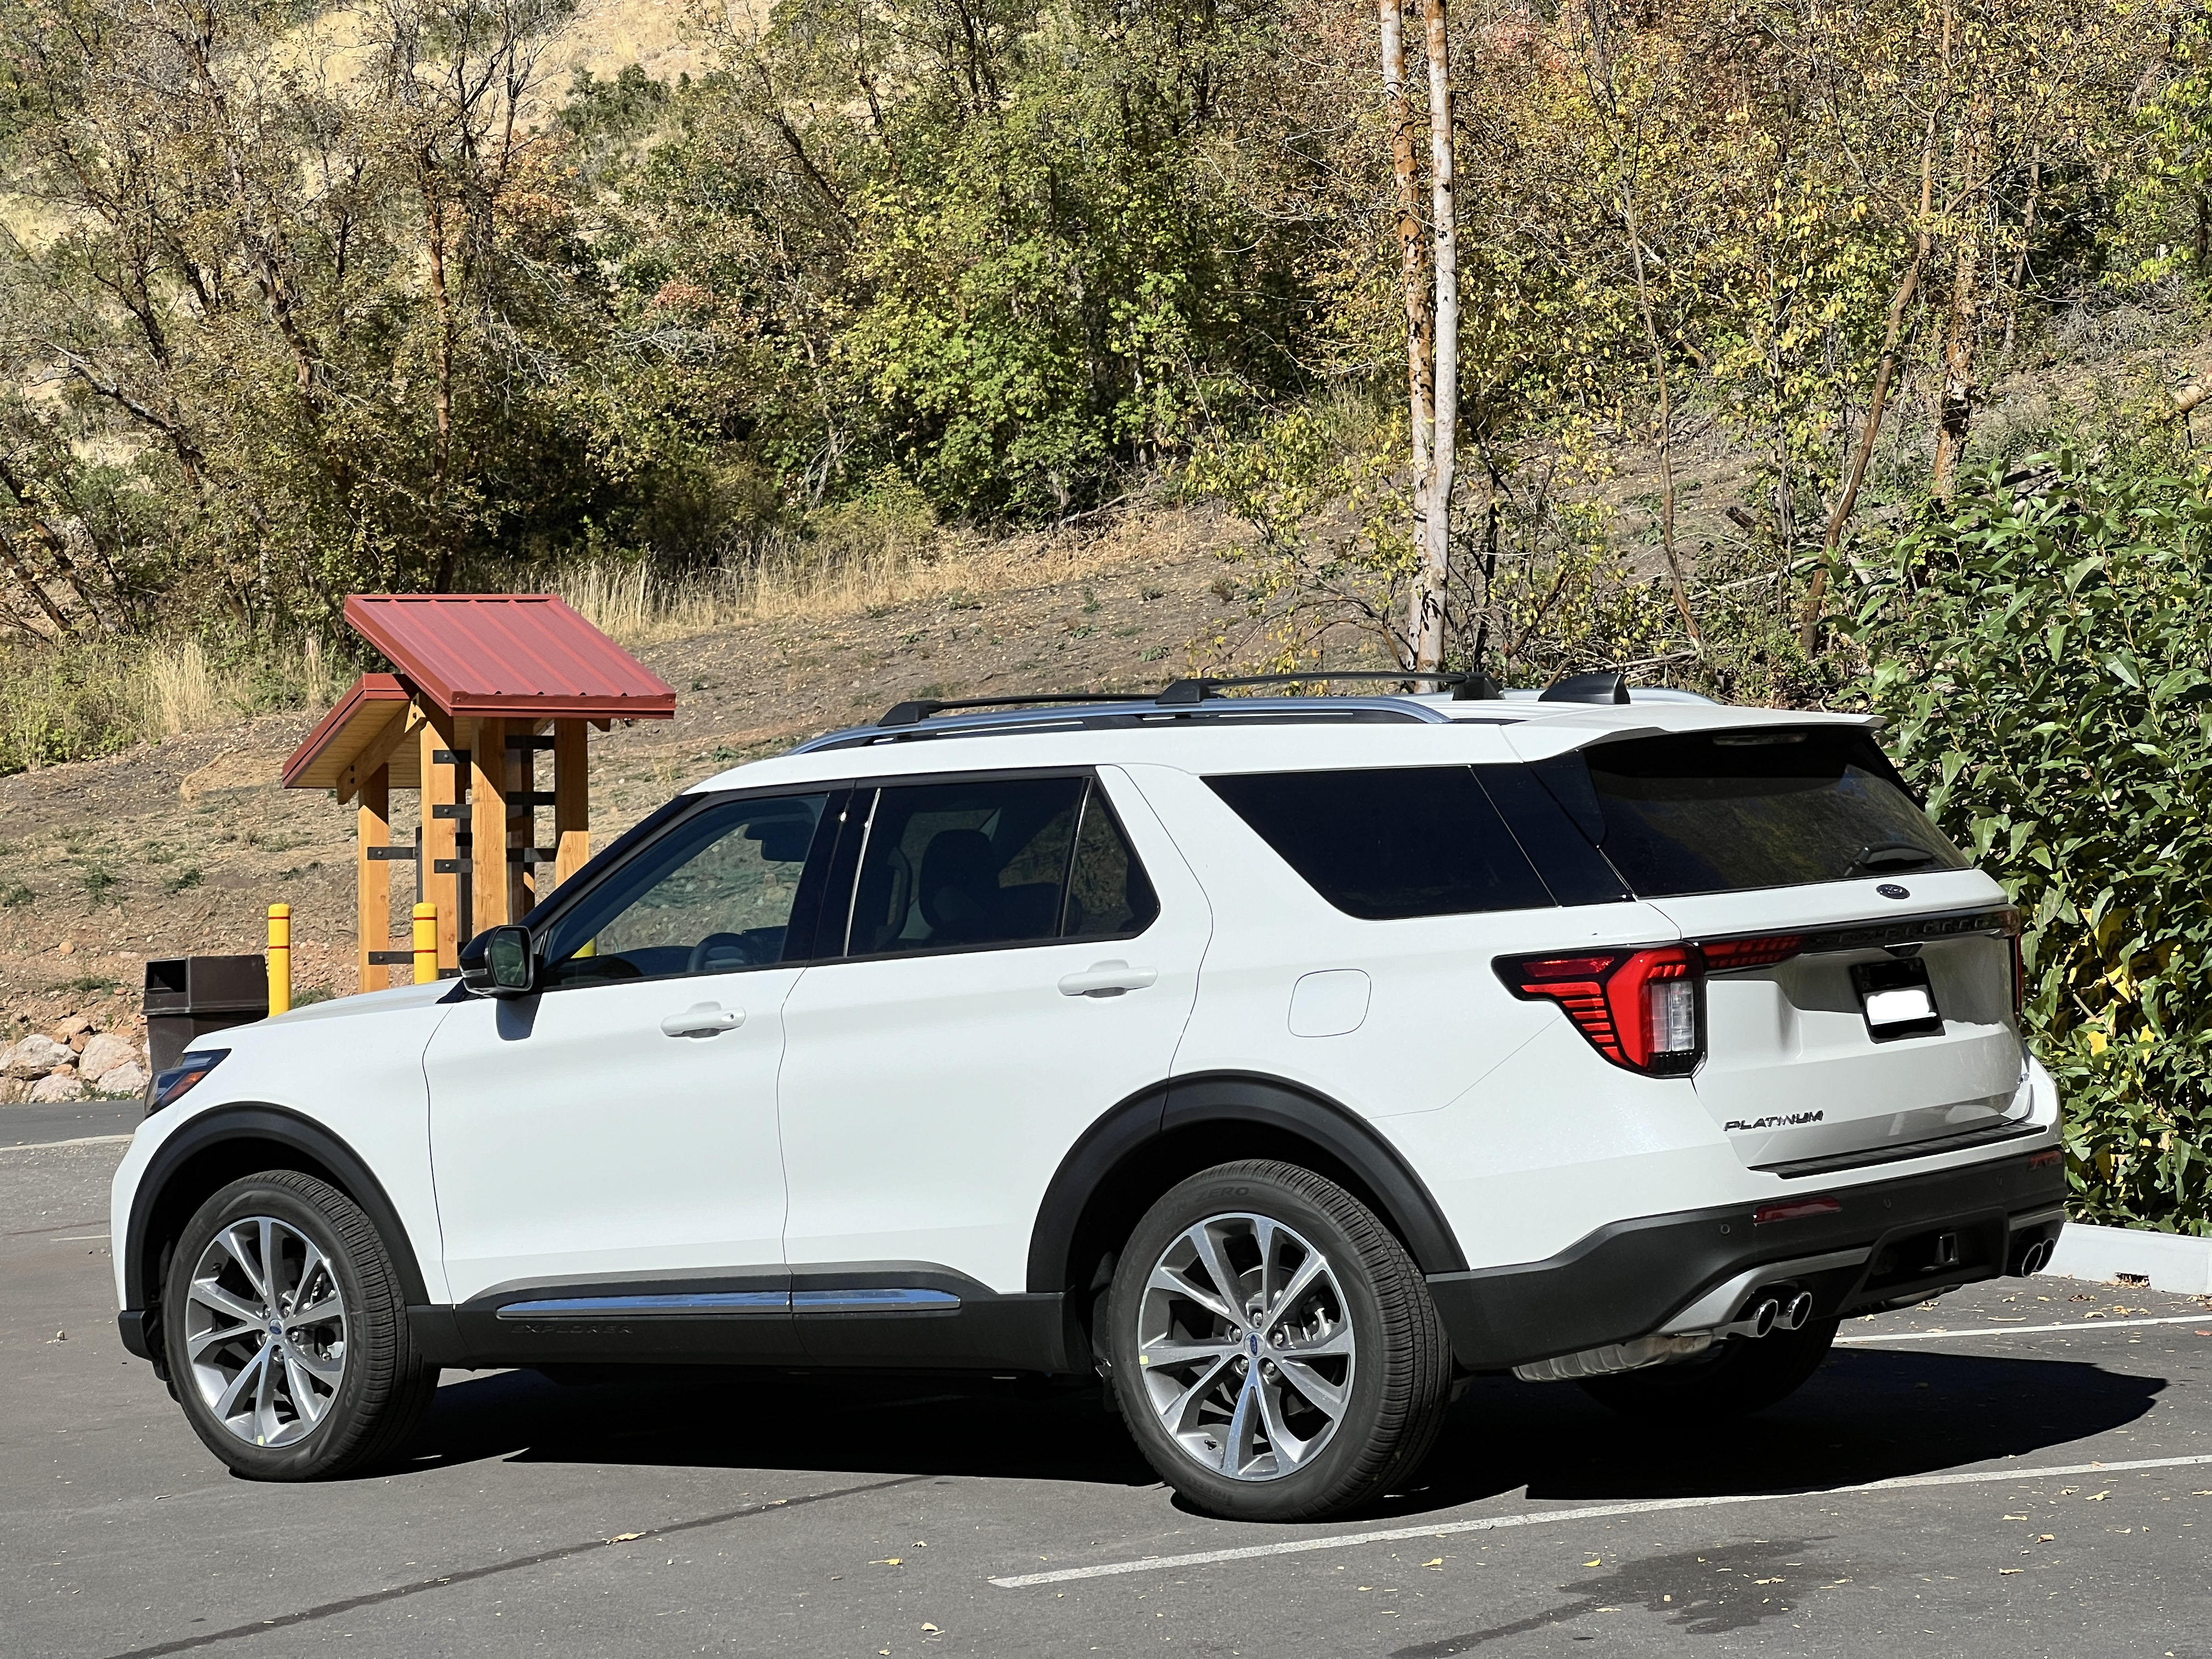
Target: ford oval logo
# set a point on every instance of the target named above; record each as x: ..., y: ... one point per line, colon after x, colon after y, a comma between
x: 1891, y: 889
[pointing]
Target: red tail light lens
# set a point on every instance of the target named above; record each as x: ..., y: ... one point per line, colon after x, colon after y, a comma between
x: 1641, y: 1009
x: 1724, y: 956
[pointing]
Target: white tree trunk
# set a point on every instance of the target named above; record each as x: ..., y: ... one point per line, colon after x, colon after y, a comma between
x: 1426, y: 635
x: 1420, y: 342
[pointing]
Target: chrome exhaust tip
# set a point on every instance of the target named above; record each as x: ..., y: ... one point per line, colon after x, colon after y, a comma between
x: 1757, y: 1319
x: 1796, y: 1312
x: 2035, y: 1258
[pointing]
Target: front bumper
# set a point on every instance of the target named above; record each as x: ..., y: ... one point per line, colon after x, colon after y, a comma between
x: 1891, y: 1242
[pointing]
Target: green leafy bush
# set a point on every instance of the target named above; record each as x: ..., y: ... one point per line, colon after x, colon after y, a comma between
x: 2042, y: 653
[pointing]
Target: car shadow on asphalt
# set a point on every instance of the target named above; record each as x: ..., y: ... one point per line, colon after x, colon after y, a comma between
x: 698, y: 1417
x: 1866, y: 1415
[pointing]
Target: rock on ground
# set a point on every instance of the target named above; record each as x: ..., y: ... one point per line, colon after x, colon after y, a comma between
x: 34, y: 1056
x: 129, y: 1078
x: 56, y: 1086
x: 103, y: 1053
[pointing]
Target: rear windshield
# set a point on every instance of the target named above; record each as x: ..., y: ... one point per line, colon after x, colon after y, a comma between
x: 1712, y: 812
x: 1383, y: 845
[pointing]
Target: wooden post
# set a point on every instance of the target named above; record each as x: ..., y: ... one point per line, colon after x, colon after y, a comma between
x: 572, y: 799
x: 521, y: 816
x: 488, y: 825
x: 372, y: 907
x: 441, y: 788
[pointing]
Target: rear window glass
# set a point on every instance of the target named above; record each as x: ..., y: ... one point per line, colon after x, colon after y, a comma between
x: 1387, y: 844
x: 1712, y: 812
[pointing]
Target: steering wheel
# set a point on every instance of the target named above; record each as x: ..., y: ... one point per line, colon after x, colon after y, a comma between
x: 746, y: 950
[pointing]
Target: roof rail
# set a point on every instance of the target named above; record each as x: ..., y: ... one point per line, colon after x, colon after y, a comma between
x: 1465, y: 687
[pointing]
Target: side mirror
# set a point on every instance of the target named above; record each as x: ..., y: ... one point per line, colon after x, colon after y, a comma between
x: 500, y: 963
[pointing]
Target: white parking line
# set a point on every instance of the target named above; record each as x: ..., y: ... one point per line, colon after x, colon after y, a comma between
x: 1596, y: 1512
x: 85, y: 1141
x: 2204, y: 1318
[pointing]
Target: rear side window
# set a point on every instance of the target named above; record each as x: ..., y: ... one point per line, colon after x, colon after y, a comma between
x: 1724, y: 811
x: 1010, y: 861
x: 1383, y: 845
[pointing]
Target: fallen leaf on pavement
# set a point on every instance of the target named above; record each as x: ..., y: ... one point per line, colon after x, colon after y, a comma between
x: 2004, y: 1572
x: 625, y: 1537
x: 1439, y: 1562
x: 889, y: 1561
x: 2098, y: 1496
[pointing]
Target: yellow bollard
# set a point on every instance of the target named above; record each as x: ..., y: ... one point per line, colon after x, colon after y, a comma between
x: 425, y: 944
x: 280, y: 959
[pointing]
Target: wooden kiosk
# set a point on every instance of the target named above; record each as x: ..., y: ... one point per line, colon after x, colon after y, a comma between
x: 487, y: 683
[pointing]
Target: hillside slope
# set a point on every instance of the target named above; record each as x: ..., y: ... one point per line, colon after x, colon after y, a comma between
x: 179, y: 847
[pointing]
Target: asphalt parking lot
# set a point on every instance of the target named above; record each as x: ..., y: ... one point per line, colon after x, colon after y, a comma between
x: 1959, y: 1479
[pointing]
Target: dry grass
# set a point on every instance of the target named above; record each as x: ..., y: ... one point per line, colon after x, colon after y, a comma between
x: 79, y: 698
x: 815, y: 581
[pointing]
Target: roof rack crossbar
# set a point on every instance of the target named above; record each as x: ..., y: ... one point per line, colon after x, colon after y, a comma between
x: 920, y: 708
x: 1466, y: 687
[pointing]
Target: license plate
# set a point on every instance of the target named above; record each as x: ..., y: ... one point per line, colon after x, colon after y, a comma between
x: 1897, y: 999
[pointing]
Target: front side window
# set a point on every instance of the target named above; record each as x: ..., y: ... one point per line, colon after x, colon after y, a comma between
x: 711, y: 895
x: 994, y: 861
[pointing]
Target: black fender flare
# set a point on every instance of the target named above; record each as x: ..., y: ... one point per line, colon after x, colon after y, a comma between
x: 255, y: 1121
x: 1118, y: 1138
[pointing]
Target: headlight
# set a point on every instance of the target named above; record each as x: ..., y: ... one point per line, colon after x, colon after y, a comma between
x: 180, y: 1078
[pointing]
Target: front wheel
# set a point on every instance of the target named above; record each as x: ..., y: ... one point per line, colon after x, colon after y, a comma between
x: 1274, y: 1349
x: 286, y: 1327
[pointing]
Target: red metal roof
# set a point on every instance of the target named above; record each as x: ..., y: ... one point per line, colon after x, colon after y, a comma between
x: 359, y: 718
x: 526, y: 655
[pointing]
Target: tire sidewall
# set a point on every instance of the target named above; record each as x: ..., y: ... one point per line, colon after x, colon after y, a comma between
x: 1336, y: 1466
x: 330, y: 1439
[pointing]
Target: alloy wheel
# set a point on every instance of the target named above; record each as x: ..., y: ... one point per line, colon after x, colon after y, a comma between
x: 265, y: 1331
x: 1245, y: 1344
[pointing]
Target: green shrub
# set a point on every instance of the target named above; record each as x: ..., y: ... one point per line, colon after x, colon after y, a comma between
x: 2042, y: 654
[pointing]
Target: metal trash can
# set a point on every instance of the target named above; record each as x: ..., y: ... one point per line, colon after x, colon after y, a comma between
x: 187, y: 997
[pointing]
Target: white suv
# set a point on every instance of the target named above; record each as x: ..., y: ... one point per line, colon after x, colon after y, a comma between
x: 1283, y: 1060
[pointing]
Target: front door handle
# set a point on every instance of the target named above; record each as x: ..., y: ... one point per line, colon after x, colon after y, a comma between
x: 704, y: 1019
x: 1108, y: 979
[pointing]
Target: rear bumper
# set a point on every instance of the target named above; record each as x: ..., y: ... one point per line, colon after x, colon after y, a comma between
x: 1892, y: 1242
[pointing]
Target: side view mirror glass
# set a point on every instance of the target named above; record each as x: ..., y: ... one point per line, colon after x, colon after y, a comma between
x: 504, y: 963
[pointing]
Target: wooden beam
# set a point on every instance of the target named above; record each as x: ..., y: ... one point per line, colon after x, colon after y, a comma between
x: 372, y: 877
x: 488, y: 825
x: 377, y: 757
x: 572, y: 799
x: 441, y: 788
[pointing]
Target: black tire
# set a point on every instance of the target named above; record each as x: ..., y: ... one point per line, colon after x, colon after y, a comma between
x: 1736, y: 1378
x: 1399, y: 1371
x: 383, y: 1386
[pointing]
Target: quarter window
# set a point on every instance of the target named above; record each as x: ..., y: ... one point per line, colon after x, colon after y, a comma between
x: 1387, y: 844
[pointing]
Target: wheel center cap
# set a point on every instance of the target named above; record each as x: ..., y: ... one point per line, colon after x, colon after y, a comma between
x: 1253, y: 1339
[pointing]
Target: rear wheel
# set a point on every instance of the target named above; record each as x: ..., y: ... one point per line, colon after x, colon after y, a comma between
x: 1733, y: 1380
x: 1274, y: 1349
x: 286, y: 1327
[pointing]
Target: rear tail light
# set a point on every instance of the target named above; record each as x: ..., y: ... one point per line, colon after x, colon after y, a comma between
x: 1642, y: 1010
x: 2018, y: 978
x: 1724, y: 956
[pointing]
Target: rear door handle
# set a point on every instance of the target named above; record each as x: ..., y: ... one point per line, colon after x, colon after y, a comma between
x: 1108, y: 979
x: 704, y: 1019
